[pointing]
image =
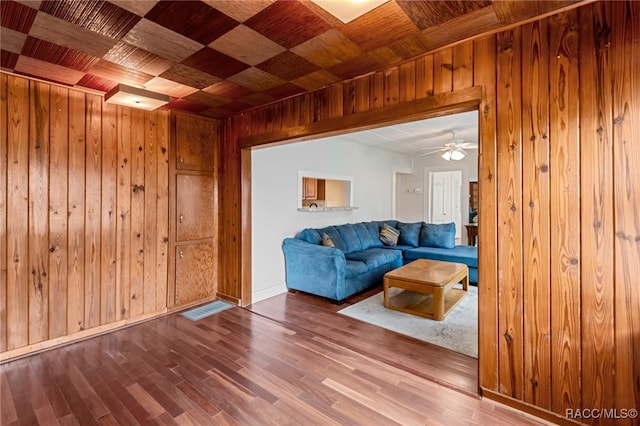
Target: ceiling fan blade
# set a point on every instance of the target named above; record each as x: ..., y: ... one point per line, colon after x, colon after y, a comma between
x: 433, y: 152
x: 468, y: 145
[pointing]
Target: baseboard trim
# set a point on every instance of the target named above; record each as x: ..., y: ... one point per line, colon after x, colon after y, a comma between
x: 527, y: 408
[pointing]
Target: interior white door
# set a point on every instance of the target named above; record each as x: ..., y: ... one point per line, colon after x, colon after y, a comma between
x: 445, y: 200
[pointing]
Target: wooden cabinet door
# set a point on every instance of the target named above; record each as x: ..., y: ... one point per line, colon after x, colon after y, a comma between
x: 195, y: 272
x: 195, y: 206
x: 310, y: 186
x: 195, y: 143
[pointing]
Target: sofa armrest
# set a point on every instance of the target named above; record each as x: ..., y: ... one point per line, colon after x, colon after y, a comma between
x: 314, y: 268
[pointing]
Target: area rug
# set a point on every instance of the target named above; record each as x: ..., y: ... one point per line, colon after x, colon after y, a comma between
x: 458, y: 332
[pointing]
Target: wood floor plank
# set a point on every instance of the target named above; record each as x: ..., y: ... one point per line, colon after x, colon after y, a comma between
x: 240, y: 367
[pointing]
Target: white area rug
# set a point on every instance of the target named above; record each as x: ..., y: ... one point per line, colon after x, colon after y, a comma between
x: 458, y: 332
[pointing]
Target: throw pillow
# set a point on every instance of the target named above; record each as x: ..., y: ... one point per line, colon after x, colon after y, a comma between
x: 409, y: 234
x: 438, y: 235
x: 389, y: 235
x: 327, y: 241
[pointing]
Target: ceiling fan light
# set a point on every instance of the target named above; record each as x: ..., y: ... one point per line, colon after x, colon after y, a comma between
x: 457, y: 155
x: 447, y: 155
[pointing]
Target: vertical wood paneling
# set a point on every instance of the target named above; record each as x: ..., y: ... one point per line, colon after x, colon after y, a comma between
x: 510, y: 213
x: 67, y: 180
x: 443, y: 71
x: 565, y: 226
x: 108, y: 215
x: 376, y: 85
x: 4, y: 127
x: 58, y: 177
x: 162, y: 208
x: 626, y: 158
x: 597, y: 228
x: 123, y: 220
x: 535, y: 214
x: 407, y: 82
x: 137, y: 213
x: 424, y: 76
x: 150, y: 192
x: 391, y: 86
x: 75, y: 212
x: 463, y: 66
x: 17, y: 215
x: 38, y: 212
x: 92, y: 211
x: 362, y: 94
x: 485, y: 76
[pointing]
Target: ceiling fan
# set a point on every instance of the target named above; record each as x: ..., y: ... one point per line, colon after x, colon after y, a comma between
x: 454, y: 149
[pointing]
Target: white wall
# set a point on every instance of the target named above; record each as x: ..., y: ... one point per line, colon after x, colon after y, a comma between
x: 413, y: 193
x: 274, y: 189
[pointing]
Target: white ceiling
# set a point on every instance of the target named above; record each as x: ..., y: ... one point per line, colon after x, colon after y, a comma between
x: 419, y: 137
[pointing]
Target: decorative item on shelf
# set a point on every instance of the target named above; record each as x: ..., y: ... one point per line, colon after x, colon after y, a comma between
x: 136, y: 97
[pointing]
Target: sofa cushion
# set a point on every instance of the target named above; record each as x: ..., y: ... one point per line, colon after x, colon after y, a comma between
x: 350, y: 237
x: 375, y: 257
x: 367, y: 240
x: 354, y: 268
x: 409, y: 234
x: 459, y: 254
x: 373, y: 229
x: 438, y: 235
x: 309, y: 235
x: 389, y: 235
x: 331, y: 231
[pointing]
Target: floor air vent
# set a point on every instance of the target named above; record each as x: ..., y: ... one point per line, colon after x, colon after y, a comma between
x: 206, y: 310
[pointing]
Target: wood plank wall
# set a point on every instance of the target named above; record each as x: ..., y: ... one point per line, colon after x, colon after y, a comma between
x: 83, y: 213
x: 559, y: 172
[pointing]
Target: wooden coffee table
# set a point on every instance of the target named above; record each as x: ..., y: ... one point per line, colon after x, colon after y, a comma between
x: 431, y: 283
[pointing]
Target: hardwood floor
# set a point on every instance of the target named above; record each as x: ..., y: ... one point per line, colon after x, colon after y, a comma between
x: 247, y: 367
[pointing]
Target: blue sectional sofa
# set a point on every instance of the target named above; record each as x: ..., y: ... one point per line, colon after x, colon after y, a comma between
x: 352, y: 257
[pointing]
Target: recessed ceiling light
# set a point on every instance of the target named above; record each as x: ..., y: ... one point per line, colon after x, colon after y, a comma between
x: 348, y: 10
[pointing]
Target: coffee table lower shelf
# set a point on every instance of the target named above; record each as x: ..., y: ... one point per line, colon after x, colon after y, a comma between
x: 422, y: 305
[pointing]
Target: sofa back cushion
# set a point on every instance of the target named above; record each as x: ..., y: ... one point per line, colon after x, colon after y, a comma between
x: 409, y: 234
x: 367, y: 234
x: 350, y: 238
x: 310, y: 235
x: 335, y: 236
x: 438, y: 235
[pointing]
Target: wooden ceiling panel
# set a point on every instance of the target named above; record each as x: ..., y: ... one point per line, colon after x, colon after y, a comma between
x: 256, y: 79
x: 381, y: 26
x: 361, y: 65
x: 12, y: 41
x: 236, y: 106
x: 111, y: 71
x: 259, y: 98
x: 316, y: 80
x: 34, y: 4
x: 186, y: 105
x: 328, y: 49
x: 8, y: 60
x: 284, y: 90
x: 189, y: 76
x: 59, y: 55
x: 514, y: 11
x: 427, y: 14
x: 208, y: 99
x: 16, y: 16
x: 287, y: 66
x: 132, y: 57
x: 288, y: 23
x: 162, y: 41
x: 246, y: 45
x: 97, y: 83
x: 169, y: 87
x: 98, y: 16
x: 477, y: 22
x: 193, y: 19
x: 240, y: 11
x: 63, y: 33
x: 401, y: 50
x: 138, y: 7
x: 228, y: 89
x: 47, y: 71
x: 215, y: 63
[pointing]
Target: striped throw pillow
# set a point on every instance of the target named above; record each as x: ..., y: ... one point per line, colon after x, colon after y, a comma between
x: 389, y: 235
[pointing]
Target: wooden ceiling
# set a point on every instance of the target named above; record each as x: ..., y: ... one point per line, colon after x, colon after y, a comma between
x: 220, y: 57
